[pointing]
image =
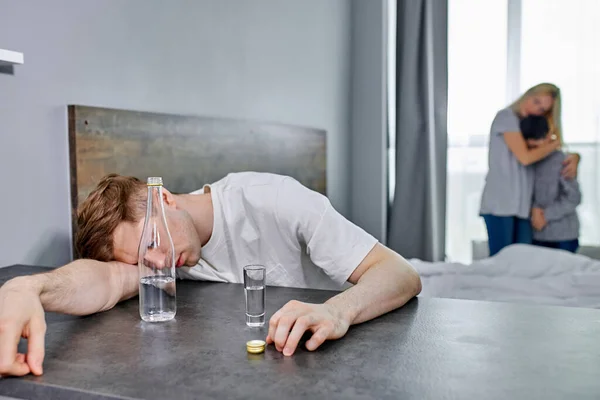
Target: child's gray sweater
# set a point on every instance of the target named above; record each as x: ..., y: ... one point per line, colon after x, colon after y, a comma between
x: 558, y: 197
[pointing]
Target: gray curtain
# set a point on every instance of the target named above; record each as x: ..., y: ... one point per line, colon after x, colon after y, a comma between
x: 418, y: 213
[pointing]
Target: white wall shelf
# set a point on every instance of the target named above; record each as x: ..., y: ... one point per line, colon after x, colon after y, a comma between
x: 8, y: 57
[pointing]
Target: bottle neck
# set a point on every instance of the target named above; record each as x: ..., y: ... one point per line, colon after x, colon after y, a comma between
x: 154, y: 205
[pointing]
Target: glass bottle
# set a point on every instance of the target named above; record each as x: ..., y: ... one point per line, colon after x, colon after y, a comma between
x: 156, y: 260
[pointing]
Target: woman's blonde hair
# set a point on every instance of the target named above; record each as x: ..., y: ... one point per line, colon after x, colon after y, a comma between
x: 553, y: 115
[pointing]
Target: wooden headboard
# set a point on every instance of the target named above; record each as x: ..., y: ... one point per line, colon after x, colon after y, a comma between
x: 187, y: 151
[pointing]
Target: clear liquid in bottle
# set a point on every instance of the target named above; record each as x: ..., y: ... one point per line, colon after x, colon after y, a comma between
x: 156, y: 260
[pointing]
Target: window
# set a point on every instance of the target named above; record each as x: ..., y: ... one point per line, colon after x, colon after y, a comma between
x: 476, y: 67
x: 560, y: 43
x: 549, y: 40
x: 477, y: 53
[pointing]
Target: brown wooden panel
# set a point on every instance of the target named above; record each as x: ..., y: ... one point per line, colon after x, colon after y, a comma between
x: 187, y: 151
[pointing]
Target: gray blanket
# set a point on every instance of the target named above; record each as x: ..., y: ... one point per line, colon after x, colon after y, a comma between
x: 518, y: 274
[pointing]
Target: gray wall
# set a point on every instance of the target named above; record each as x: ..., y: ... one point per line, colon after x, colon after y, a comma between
x: 283, y: 61
x: 368, y: 170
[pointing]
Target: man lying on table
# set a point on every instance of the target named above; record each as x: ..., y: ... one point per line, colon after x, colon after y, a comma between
x: 245, y: 218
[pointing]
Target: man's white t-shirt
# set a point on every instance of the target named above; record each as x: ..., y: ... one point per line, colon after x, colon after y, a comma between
x: 273, y: 220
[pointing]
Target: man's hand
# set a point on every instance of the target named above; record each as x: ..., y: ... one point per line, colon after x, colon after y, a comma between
x: 538, y: 220
x: 21, y: 315
x: 383, y: 281
x: 570, y: 165
x: 287, y: 326
x: 82, y: 287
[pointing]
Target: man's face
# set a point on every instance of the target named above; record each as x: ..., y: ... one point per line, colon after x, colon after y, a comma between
x: 126, y: 238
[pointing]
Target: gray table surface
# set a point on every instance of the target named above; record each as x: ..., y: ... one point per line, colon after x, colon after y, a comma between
x: 429, y: 349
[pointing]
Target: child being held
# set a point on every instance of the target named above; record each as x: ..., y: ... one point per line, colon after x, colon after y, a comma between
x: 555, y: 198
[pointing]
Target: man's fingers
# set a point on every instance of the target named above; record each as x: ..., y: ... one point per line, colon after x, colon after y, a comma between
x: 283, y: 329
x: 317, y: 339
x: 9, y: 360
x: 300, y: 326
x: 18, y: 367
x: 35, y: 345
x: 284, y: 326
x: 273, y: 326
x: 287, y: 316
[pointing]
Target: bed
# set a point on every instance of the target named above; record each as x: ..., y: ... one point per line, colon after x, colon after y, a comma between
x: 517, y: 274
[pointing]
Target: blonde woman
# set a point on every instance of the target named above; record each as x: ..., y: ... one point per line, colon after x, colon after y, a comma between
x: 507, y: 196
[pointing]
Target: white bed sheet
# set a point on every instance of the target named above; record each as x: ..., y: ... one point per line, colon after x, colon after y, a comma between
x: 518, y: 274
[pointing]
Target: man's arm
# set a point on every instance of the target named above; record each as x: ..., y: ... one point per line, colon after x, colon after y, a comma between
x: 383, y: 282
x: 79, y: 288
x: 82, y: 287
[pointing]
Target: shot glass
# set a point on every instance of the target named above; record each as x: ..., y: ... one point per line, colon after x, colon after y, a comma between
x: 254, y: 288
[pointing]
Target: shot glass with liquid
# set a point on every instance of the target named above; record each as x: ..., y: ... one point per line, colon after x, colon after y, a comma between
x: 254, y: 288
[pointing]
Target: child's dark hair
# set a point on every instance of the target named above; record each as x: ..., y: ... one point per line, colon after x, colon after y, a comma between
x: 534, y: 127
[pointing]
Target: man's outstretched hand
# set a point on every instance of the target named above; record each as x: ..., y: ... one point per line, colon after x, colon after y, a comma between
x: 21, y: 315
x: 82, y: 287
x: 288, y: 325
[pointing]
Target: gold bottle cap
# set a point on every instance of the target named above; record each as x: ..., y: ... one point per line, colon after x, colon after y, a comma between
x: 255, y: 346
x: 154, y: 181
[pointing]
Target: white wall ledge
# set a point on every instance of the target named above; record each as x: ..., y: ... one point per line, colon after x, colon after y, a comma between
x: 8, y: 57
